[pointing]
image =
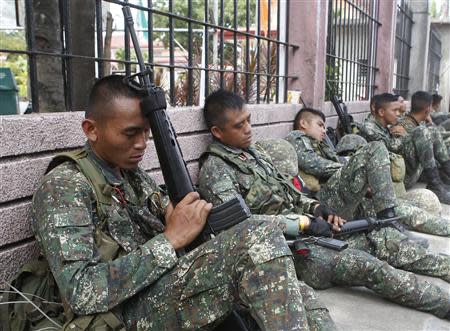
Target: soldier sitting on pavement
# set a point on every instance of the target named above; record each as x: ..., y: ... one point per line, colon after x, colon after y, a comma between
x: 417, y: 148
x: 366, y: 173
x: 232, y: 166
x: 110, y: 237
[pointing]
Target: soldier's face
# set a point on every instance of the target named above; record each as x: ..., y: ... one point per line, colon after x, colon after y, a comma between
x: 390, y: 112
x: 122, y: 139
x: 314, y: 127
x: 237, y: 130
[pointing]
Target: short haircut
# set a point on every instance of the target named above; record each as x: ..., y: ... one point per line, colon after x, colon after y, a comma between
x: 104, y: 92
x: 373, y: 100
x: 436, y: 98
x: 217, y: 104
x: 306, y: 113
x: 420, y: 100
x: 381, y: 100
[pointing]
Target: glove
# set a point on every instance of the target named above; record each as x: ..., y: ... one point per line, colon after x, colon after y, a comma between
x: 319, y: 228
x: 323, y: 211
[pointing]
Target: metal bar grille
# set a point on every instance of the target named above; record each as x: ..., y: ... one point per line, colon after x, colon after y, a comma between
x: 351, y: 49
x: 248, y: 61
x: 434, y: 61
x: 403, y: 30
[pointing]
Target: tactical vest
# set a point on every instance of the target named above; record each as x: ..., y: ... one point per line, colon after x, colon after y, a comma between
x: 267, y: 194
x: 36, y: 278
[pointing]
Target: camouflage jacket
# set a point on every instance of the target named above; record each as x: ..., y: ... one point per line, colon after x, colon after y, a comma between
x: 372, y: 130
x: 314, y: 157
x: 226, y: 172
x: 408, y: 122
x: 73, y: 235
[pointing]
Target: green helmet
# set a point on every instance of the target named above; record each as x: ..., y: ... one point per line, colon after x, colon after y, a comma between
x: 350, y: 143
x: 282, y: 154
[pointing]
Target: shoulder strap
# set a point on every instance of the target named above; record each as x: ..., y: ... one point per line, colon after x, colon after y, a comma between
x: 95, y: 177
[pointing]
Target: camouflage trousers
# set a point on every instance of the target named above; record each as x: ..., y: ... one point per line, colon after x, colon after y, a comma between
x: 415, y: 218
x: 420, y: 220
x: 422, y: 148
x: 370, y: 260
x: 368, y: 167
x: 249, y: 266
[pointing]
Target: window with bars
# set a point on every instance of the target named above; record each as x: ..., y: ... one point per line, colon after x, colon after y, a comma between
x: 434, y: 61
x: 403, y: 30
x: 192, y: 46
x: 351, y: 49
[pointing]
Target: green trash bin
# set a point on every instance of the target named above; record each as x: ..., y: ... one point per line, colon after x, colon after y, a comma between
x: 9, y: 103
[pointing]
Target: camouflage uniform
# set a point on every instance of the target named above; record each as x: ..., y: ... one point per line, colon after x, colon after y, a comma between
x: 141, y: 279
x: 343, y: 186
x: 223, y: 176
x: 418, y: 148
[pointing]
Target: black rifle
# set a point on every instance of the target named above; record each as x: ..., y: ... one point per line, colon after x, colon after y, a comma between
x: 299, y: 245
x: 344, y: 118
x: 173, y: 166
x: 369, y: 224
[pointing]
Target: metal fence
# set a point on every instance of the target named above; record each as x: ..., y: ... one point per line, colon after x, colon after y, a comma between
x: 351, y: 49
x: 402, y: 48
x: 434, y: 61
x: 193, y: 47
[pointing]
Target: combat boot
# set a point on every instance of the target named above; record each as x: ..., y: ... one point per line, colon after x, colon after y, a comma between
x: 434, y: 184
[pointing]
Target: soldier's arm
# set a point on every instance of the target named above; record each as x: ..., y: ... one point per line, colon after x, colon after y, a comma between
x: 393, y: 144
x: 218, y: 183
x: 63, y: 224
x: 312, y: 162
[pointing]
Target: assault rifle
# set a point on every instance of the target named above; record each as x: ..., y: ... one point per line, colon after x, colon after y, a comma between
x: 369, y: 224
x: 364, y: 225
x: 344, y: 118
x: 173, y: 166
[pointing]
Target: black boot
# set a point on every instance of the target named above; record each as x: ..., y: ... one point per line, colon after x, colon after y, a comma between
x: 431, y: 177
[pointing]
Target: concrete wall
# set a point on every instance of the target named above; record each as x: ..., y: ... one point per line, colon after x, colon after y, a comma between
x: 308, y: 29
x: 420, y: 36
x: 30, y: 141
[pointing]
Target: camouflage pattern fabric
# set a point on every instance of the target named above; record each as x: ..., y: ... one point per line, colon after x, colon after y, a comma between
x: 281, y: 153
x: 219, y: 180
x: 324, y: 268
x: 424, y: 199
x: 319, y: 160
x: 350, y: 143
x: 440, y: 149
x: 344, y: 186
x: 319, y: 318
x: 140, y: 278
x: 417, y: 147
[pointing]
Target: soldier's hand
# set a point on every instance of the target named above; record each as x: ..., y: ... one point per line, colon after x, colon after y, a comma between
x: 186, y: 220
x: 329, y: 215
x: 398, y: 130
x: 320, y: 228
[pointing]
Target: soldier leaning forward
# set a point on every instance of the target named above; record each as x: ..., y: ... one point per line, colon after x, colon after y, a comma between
x: 110, y: 237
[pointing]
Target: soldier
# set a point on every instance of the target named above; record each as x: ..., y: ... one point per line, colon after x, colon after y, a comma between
x: 110, y: 237
x: 365, y: 173
x: 417, y: 148
x: 233, y: 166
x: 438, y: 116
